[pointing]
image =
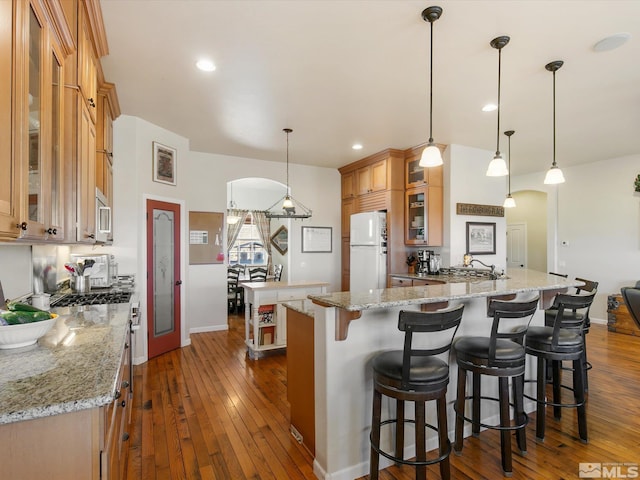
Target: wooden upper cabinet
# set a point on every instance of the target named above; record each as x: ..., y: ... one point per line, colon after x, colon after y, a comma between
x: 87, y: 65
x: 372, y: 178
x: 9, y: 164
x: 348, y: 185
x: 43, y: 41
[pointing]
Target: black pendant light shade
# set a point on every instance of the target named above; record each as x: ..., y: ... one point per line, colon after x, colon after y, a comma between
x: 431, y: 155
x: 554, y: 174
x: 498, y: 167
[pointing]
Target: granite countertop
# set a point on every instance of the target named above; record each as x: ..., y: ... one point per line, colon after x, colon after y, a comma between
x: 301, y: 306
x: 516, y: 281
x: 74, y: 367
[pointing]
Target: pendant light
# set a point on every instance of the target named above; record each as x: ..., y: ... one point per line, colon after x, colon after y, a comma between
x: 497, y: 167
x: 509, y: 202
x: 232, y: 219
x: 554, y: 174
x: 431, y: 156
x: 289, y: 204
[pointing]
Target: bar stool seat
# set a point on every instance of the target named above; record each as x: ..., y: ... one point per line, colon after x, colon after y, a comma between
x: 501, y: 355
x: 415, y: 374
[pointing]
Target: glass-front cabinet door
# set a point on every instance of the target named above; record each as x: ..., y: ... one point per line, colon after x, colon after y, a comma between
x: 416, y: 221
x: 40, y: 99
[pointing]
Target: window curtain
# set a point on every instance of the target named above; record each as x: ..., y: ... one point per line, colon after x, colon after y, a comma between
x: 264, y: 230
x: 233, y: 229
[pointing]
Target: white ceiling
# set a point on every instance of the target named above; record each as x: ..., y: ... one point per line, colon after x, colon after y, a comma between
x: 344, y: 71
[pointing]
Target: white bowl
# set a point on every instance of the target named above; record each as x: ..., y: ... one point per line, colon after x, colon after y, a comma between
x: 15, y: 336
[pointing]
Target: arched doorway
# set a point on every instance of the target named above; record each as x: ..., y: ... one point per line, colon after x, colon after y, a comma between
x: 531, y: 213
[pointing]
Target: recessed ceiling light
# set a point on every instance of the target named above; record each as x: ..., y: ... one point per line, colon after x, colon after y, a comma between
x: 489, y: 107
x: 357, y: 146
x: 612, y: 42
x: 205, y: 65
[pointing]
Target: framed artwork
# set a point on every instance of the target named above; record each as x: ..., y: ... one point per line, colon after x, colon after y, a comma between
x: 164, y: 164
x: 316, y: 239
x: 280, y: 240
x: 481, y: 238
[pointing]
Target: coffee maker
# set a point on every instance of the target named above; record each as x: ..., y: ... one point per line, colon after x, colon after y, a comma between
x: 428, y: 262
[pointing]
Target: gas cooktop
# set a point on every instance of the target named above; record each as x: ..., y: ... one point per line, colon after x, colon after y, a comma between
x: 91, y: 298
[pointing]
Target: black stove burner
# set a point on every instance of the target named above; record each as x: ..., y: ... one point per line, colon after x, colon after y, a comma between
x: 79, y: 299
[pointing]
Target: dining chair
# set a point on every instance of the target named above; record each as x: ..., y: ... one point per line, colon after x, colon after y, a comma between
x: 258, y: 274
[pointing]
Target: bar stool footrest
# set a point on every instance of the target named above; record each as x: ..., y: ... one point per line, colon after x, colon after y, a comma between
x: 492, y: 427
x: 410, y: 462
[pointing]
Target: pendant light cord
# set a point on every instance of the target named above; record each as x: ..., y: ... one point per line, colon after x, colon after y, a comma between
x: 509, y: 176
x: 431, y: 87
x: 554, y: 118
x: 498, y: 129
x: 287, y: 163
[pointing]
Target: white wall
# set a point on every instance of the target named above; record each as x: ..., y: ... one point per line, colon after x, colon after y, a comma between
x: 201, y: 186
x: 465, y: 181
x: 598, y: 215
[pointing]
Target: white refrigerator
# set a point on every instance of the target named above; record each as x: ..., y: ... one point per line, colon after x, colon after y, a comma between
x: 368, y: 251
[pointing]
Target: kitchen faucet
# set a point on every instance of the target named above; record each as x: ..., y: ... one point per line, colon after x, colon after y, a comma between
x: 469, y: 261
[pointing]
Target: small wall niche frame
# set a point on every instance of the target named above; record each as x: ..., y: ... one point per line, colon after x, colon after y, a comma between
x: 481, y: 238
x: 316, y: 239
x: 280, y: 240
x: 164, y: 164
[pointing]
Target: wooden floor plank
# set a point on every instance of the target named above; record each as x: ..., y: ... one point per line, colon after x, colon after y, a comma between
x: 206, y: 411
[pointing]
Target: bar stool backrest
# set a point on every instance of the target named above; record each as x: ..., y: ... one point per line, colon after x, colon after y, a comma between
x: 511, y: 310
x: 411, y: 322
x: 564, y: 301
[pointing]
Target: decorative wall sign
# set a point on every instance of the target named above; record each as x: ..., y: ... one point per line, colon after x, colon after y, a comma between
x: 280, y: 240
x: 316, y: 239
x: 481, y: 238
x: 164, y: 164
x: 484, y: 210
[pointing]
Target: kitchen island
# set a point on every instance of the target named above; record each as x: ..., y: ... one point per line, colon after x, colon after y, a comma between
x: 349, y: 329
x: 265, y: 314
x: 64, y: 401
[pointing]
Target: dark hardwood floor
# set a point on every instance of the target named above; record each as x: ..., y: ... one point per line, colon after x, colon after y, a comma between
x: 207, y: 412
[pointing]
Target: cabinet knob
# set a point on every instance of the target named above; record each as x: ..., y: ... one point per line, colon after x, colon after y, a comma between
x: 125, y: 384
x: 92, y: 235
x: 179, y: 282
x: 52, y: 231
x: 91, y: 102
x: 125, y: 436
x: 117, y: 395
x: 22, y: 226
x: 123, y: 404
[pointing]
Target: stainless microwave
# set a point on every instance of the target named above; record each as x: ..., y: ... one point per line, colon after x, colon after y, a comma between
x: 103, y: 218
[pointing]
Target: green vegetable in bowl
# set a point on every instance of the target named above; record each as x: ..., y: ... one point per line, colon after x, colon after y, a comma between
x: 22, y: 307
x: 20, y: 317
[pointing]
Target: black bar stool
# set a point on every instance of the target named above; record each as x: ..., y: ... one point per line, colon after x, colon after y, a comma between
x: 501, y: 355
x: 573, y: 318
x: 415, y: 375
x: 564, y: 341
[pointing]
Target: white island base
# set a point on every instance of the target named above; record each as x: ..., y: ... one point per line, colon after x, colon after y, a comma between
x: 344, y: 349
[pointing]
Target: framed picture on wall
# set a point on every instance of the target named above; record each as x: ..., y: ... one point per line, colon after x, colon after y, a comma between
x: 316, y: 239
x: 280, y: 240
x: 164, y: 164
x: 481, y: 238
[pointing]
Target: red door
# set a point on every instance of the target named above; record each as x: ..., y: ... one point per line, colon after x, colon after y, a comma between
x: 163, y: 277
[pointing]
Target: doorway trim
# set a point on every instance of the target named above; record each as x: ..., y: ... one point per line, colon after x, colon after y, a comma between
x: 142, y: 269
